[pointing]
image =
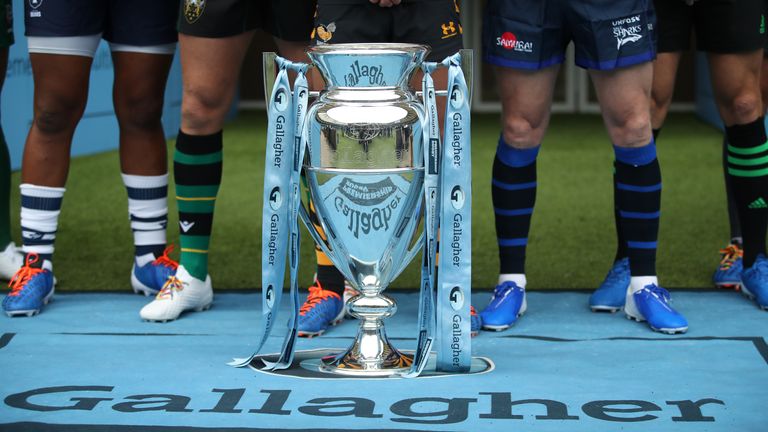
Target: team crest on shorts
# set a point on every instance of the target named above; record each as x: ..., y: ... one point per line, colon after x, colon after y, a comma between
x: 193, y: 9
x: 325, y: 32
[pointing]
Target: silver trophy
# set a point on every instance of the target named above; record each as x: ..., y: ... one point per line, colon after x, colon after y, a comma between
x: 364, y: 175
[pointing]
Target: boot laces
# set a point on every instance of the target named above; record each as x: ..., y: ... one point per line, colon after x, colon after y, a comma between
x: 730, y: 254
x: 316, y: 295
x: 165, y: 260
x: 171, y: 286
x: 24, y: 274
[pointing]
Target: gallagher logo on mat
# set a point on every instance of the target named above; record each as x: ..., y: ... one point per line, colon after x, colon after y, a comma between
x: 420, y: 409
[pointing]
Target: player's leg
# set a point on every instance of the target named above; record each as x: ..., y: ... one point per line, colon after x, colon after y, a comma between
x: 737, y: 92
x: 611, y: 294
x: 60, y: 69
x: 673, y: 30
x: 212, y: 46
x: 526, y: 97
x: 624, y: 96
x: 735, y: 56
x: 10, y: 258
x: 527, y: 62
x: 142, y: 37
x: 618, y: 50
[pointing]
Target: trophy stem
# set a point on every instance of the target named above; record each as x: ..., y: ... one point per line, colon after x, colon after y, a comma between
x: 371, y: 354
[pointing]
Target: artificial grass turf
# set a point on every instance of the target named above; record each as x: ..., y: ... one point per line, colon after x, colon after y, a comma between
x: 572, y: 239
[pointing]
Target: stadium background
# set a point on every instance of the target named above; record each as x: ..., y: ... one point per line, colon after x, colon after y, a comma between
x: 572, y: 238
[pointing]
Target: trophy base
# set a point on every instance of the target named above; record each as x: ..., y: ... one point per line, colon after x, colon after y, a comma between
x: 370, y: 356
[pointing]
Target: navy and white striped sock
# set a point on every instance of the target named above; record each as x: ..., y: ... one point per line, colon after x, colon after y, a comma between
x: 514, y: 195
x: 148, y: 211
x: 40, y: 209
x: 638, y: 187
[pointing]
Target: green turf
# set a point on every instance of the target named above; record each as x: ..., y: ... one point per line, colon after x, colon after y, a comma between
x: 572, y: 238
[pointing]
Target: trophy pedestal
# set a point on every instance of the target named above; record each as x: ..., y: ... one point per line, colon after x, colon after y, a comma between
x: 371, y: 355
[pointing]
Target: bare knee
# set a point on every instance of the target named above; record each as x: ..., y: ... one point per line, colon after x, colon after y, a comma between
x: 139, y: 114
x: 631, y: 128
x: 520, y: 132
x: 59, y: 117
x: 743, y: 108
x: 203, y: 112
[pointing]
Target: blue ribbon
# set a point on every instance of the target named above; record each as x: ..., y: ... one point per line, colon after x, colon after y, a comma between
x: 286, y: 114
x: 432, y: 150
x: 454, y: 293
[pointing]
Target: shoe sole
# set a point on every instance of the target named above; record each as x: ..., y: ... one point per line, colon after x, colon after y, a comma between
x: 310, y: 335
x: 498, y: 328
x: 736, y: 286
x: 32, y: 312
x: 748, y: 294
x: 670, y: 331
x: 197, y: 309
x: 604, y: 308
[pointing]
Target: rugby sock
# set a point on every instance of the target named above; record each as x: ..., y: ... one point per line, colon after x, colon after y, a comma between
x: 513, y: 193
x: 148, y: 211
x: 328, y: 275
x: 638, y: 185
x: 748, y: 170
x: 518, y: 278
x: 197, y: 165
x: 40, y: 209
x: 733, y: 213
x: 5, y: 192
x: 621, y: 242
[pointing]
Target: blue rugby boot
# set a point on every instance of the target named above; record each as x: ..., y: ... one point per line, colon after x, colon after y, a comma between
x: 507, y: 304
x: 476, y: 323
x: 612, y: 293
x: 323, y: 308
x: 728, y: 273
x: 651, y: 304
x: 150, y: 278
x: 31, y: 288
x: 754, y: 282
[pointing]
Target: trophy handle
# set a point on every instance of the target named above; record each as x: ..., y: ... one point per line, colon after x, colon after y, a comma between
x: 270, y: 72
x: 467, y: 65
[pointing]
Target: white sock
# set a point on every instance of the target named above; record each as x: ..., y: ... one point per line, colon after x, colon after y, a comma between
x: 148, y: 211
x: 639, y: 282
x: 517, y: 278
x: 40, y: 209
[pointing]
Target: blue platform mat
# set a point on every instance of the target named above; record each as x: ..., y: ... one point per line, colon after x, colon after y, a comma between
x: 88, y: 363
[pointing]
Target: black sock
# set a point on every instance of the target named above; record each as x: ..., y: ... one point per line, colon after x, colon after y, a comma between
x: 513, y: 192
x: 621, y: 242
x: 748, y: 172
x: 733, y: 212
x: 638, y: 183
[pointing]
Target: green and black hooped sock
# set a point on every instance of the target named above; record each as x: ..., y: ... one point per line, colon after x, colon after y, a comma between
x: 638, y: 185
x: 197, y: 166
x: 748, y: 171
x: 5, y: 193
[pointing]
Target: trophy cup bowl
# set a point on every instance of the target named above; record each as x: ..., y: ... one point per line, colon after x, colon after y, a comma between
x: 364, y: 180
